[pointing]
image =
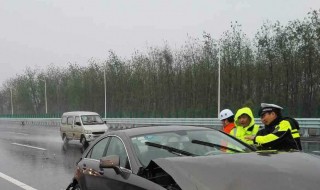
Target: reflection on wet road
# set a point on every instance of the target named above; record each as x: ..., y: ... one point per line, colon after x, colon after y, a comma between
x: 36, y: 157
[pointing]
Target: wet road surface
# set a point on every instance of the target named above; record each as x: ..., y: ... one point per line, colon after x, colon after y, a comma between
x: 35, y: 158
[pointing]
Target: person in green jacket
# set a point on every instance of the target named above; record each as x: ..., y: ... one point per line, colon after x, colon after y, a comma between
x: 245, y: 125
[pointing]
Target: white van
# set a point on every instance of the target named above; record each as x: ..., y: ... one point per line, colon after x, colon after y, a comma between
x: 82, y: 125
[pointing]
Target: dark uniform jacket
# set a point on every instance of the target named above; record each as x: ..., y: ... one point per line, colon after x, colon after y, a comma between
x: 279, y: 135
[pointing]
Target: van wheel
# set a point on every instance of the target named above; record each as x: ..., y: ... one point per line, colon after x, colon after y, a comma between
x: 65, y: 139
x: 84, y: 142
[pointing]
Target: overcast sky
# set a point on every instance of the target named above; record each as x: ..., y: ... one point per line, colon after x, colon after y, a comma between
x: 37, y: 33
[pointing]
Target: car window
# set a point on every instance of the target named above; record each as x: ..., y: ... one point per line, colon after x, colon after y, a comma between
x: 70, y: 120
x: 99, y: 149
x: 116, y: 147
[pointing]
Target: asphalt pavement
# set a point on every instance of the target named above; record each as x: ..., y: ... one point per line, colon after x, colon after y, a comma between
x: 36, y: 158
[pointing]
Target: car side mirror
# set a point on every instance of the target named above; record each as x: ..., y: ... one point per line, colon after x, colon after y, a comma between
x: 78, y: 123
x: 112, y: 161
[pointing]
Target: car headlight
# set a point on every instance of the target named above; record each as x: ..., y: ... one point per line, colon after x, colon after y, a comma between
x: 87, y: 132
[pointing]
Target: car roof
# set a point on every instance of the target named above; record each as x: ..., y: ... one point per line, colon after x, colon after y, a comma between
x: 155, y: 129
x: 79, y: 113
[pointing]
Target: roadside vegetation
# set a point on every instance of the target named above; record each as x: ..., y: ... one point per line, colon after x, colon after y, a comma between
x: 281, y: 65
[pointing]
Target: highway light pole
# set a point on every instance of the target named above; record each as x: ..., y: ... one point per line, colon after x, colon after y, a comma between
x: 218, y: 81
x: 11, y: 101
x: 45, y: 94
x: 105, y: 93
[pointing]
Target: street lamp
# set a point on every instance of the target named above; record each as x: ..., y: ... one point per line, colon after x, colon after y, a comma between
x: 11, y: 101
x: 105, y: 93
x: 45, y: 94
x: 219, y: 81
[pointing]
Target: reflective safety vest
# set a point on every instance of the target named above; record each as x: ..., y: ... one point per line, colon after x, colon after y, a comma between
x: 240, y: 132
x: 228, y: 128
x: 283, y: 137
x: 294, y: 130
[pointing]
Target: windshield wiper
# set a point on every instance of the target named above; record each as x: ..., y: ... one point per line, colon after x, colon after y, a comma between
x: 170, y: 149
x: 214, y: 145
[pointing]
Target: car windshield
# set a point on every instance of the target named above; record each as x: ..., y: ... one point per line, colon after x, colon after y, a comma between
x: 184, y: 143
x: 91, y: 119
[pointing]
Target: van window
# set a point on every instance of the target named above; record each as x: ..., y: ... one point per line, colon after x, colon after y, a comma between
x: 70, y: 120
x: 64, y: 120
x: 77, y: 119
x: 91, y: 119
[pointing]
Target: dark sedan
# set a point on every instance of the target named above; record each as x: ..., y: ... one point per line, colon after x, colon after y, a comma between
x: 188, y: 158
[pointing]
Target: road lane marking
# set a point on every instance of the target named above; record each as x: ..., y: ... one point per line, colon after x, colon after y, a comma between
x: 28, y: 146
x: 16, y: 182
x: 26, y: 134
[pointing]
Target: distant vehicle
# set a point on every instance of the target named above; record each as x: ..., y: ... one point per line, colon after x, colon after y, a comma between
x: 82, y: 125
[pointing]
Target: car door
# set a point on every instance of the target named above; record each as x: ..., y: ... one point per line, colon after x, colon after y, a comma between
x: 97, y: 178
x: 90, y: 165
x: 126, y: 179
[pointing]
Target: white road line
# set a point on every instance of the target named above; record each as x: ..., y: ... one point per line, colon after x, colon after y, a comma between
x: 29, y: 146
x: 16, y: 182
x: 26, y: 134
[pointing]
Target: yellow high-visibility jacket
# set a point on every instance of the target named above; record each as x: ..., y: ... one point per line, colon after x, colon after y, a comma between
x: 239, y: 131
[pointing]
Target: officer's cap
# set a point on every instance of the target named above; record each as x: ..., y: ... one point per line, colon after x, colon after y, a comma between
x: 265, y: 107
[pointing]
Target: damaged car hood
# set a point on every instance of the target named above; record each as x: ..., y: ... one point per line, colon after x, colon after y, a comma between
x: 288, y: 170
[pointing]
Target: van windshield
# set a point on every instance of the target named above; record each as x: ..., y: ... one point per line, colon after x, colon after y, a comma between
x: 91, y: 119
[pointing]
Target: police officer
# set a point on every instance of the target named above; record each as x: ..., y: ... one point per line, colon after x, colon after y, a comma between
x: 226, y: 116
x: 279, y: 133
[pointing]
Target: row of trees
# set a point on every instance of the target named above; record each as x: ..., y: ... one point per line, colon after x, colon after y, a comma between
x: 279, y: 65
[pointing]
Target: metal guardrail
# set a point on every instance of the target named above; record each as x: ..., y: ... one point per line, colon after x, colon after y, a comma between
x: 54, y: 122
x: 309, y: 126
